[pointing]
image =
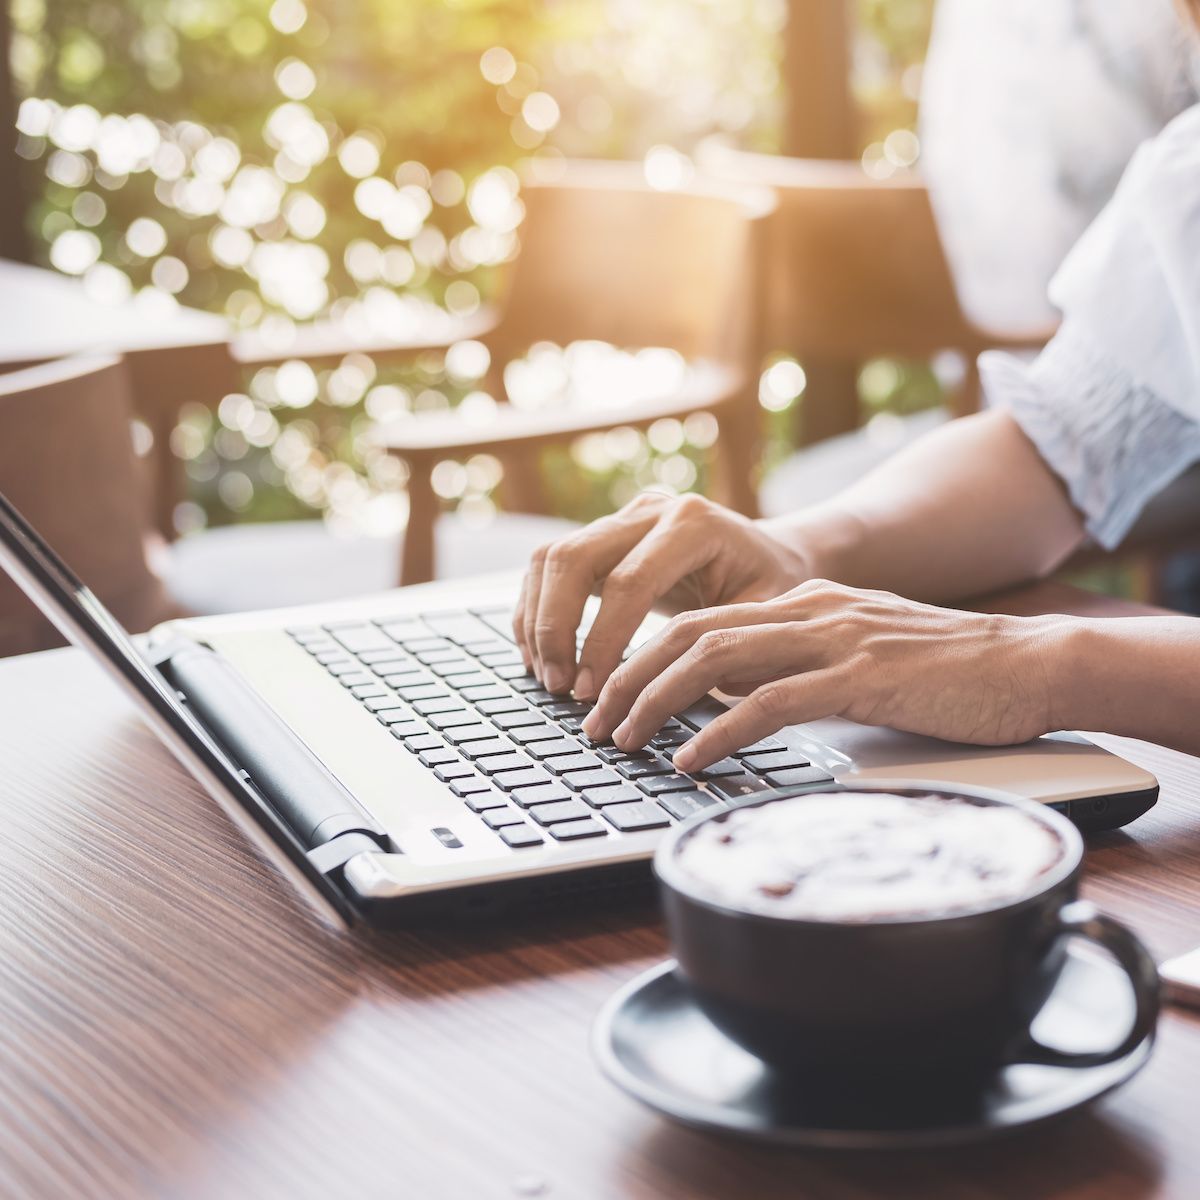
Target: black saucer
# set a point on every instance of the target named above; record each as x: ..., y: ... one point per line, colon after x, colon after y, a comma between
x: 653, y: 1042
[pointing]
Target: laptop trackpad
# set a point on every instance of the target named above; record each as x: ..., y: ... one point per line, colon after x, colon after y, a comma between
x: 1052, y: 768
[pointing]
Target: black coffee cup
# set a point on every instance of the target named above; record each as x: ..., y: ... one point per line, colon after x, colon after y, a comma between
x: 934, y: 1000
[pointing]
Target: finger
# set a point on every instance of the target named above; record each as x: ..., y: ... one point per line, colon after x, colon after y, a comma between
x: 758, y: 653
x: 659, y: 561
x: 570, y: 570
x: 518, y: 622
x: 633, y: 676
x: 791, y: 701
x: 533, y: 588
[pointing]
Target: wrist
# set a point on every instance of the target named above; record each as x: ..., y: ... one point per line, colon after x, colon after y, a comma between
x: 1067, y: 653
x: 821, y: 545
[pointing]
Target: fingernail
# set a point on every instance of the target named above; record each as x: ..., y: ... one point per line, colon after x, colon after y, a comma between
x: 590, y: 722
x: 684, y: 757
x: 557, y: 679
x: 620, y: 734
x: 585, y: 684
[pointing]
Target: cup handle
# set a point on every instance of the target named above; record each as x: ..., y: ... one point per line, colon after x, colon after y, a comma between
x: 1082, y: 919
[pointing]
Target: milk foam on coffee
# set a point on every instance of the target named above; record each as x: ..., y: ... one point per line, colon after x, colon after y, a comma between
x: 868, y: 856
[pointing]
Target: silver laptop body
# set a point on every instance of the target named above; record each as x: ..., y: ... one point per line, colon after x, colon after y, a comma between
x: 390, y: 757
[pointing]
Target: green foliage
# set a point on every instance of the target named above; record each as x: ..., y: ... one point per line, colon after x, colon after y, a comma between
x: 277, y: 160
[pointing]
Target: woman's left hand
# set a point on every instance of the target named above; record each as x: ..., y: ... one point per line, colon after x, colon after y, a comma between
x: 825, y: 650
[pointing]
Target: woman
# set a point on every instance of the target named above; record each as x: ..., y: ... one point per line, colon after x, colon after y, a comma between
x: 1072, y: 446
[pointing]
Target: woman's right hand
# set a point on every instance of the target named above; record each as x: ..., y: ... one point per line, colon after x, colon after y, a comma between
x: 680, y: 552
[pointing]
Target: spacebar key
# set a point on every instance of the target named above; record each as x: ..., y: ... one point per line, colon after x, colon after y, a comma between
x: 703, y: 712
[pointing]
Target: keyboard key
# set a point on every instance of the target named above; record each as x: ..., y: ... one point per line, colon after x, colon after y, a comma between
x: 501, y: 704
x: 423, y: 691
x: 552, y: 749
x: 573, y: 725
x: 438, y: 704
x: 455, y: 666
x: 642, y: 768
x: 477, y: 734
x: 702, y: 713
x: 462, y: 682
x: 508, y: 670
x: 445, y: 654
x: 361, y: 637
x: 399, y: 726
x: 566, y: 708
x: 497, y: 763
x: 458, y: 626
x: 563, y: 810
x: 525, y: 684
x: 403, y: 631
x: 724, y: 766
x: 733, y: 786
x: 412, y: 645
x: 571, y: 762
x: 307, y: 633
x: 544, y: 793
x: 413, y: 677
x: 352, y: 679
x: 510, y: 781
x: 335, y: 655
x: 438, y: 758
x: 491, y: 693
x: 599, y: 777
x: 527, y: 721
x: 773, y: 760
x: 343, y: 666
x: 423, y: 741
x: 519, y: 836
x: 682, y: 805
x: 539, y: 696
x: 484, y: 801
x: 457, y: 717
x: 610, y: 754
x: 365, y: 691
x: 454, y: 770
x: 657, y: 785
x: 799, y: 775
x: 499, y: 657
x: 384, y: 703
x: 601, y: 797
x: 570, y: 831
x: 405, y: 730
x: 670, y: 739
x: 483, y: 747
x: 498, y: 818
x: 543, y: 732
x: 383, y: 665
x: 630, y: 818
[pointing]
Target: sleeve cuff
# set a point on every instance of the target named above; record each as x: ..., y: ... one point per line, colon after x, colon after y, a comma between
x: 1114, y: 443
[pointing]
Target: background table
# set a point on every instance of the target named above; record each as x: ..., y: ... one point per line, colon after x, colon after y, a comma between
x: 174, y: 355
x: 174, y: 1022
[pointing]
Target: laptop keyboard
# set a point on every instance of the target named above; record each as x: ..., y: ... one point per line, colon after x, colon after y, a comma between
x: 451, y: 688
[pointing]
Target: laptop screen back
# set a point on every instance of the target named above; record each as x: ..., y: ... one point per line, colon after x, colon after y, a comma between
x: 80, y: 616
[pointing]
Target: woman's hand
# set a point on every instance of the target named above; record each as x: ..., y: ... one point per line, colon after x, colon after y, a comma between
x: 825, y: 650
x: 685, y: 552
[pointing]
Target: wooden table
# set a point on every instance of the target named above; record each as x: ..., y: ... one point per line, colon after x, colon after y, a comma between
x: 174, y: 356
x: 175, y: 1024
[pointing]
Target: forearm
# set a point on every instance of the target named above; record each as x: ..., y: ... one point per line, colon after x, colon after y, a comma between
x: 1135, y: 676
x: 968, y: 509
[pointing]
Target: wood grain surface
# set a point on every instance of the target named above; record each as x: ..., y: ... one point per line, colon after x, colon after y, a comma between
x: 174, y: 1023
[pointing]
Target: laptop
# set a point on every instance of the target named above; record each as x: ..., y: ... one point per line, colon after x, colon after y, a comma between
x: 396, y: 764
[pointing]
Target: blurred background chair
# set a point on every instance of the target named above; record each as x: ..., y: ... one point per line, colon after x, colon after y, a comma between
x: 854, y: 270
x: 603, y: 257
x: 67, y: 462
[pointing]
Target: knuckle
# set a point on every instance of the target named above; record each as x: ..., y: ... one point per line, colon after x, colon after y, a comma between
x: 772, y: 700
x: 691, y: 506
x: 624, y: 581
x: 685, y: 628
x: 716, y: 642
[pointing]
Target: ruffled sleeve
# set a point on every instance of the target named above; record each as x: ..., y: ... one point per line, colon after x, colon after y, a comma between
x: 1114, y: 443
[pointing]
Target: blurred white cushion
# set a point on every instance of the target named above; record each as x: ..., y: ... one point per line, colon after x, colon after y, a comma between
x: 818, y: 472
x: 240, y: 568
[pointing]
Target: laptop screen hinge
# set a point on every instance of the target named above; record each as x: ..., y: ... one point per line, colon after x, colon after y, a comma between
x: 334, y: 854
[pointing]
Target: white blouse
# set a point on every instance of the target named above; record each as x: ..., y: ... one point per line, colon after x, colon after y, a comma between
x: 1113, y: 402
